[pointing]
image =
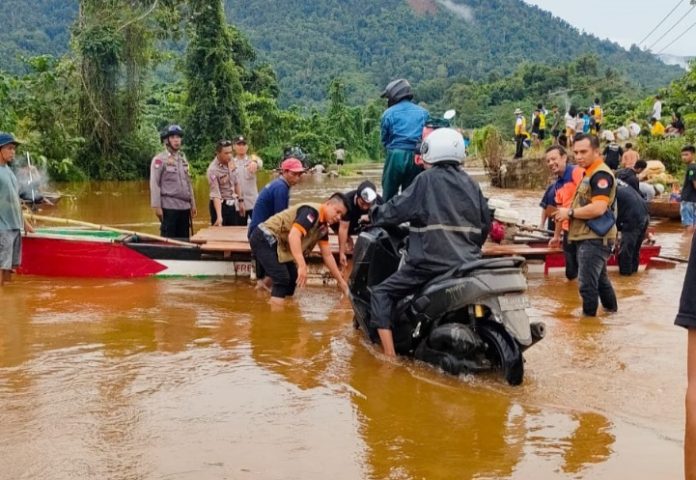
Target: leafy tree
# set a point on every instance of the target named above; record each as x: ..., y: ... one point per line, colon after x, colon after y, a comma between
x: 213, y: 79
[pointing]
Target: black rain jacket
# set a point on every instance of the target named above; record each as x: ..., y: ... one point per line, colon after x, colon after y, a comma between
x: 448, y: 216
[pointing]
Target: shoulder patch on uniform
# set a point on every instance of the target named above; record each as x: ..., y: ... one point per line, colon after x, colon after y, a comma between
x: 311, y: 217
x: 602, y: 183
x: 158, y: 163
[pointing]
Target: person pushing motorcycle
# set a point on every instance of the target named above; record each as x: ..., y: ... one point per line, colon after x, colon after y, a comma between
x: 449, y: 221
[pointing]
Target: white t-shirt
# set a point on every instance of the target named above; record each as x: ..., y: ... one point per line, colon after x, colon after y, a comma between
x: 634, y: 129
x: 657, y: 110
x: 570, y: 122
x: 622, y: 133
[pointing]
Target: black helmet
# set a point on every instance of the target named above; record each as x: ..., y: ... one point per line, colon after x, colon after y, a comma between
x: 171, y: 130
x: 397, y: 90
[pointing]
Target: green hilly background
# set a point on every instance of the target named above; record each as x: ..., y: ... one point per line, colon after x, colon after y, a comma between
x: 367, y: 42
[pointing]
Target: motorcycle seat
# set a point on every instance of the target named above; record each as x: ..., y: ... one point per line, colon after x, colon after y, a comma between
x: 488, y: 263
x: 481, y: 264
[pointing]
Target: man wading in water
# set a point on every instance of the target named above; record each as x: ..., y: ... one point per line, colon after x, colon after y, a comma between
x: 595, y: 195
x: 11, y: 220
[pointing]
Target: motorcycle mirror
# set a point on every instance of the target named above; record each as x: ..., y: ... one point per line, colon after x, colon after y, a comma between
x: 449, y: 114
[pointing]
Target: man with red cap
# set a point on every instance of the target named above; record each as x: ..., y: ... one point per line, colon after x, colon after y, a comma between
x: 274, y: 198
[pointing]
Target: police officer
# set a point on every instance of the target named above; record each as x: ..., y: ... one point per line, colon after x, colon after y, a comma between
x: 225, y: 193
x: 595, y: 194
x: 247, y: 166
x: 171, y: 192
x: 449, y: 221
x: 401, y: 129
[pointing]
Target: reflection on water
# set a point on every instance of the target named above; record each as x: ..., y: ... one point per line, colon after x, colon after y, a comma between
x: 199, y: 379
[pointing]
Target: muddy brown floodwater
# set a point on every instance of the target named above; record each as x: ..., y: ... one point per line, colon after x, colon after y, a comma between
x: 197, y: 379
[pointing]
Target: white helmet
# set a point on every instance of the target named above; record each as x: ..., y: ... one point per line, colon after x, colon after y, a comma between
x: 443, y: 145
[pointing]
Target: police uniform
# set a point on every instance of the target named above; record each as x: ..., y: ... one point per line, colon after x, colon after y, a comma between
x: 594, y: 250
x: 223, y: 181
x: 270, y: 245
x: 171, y: 190
x: 247, y: 185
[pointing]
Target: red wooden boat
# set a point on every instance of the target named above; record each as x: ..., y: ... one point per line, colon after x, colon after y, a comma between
x: 222, y: 252
x: 553, y: 261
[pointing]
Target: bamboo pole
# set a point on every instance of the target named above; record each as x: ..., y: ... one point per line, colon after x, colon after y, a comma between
x: 79, y: 223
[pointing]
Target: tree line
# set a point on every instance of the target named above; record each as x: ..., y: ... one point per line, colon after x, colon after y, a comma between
x: 95, y: 112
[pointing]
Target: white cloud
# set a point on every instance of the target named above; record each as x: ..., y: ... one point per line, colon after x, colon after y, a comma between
x: 462, y: 11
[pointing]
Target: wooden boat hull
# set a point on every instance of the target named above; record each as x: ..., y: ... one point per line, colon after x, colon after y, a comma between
x: 664, y: 209
x: 100, y: 254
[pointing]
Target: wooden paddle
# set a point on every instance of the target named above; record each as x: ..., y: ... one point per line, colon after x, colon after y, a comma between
x: 79, y: 223
x: 673, y: 258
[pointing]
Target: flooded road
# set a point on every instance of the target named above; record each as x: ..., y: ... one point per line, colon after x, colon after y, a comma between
x: 197, y: 379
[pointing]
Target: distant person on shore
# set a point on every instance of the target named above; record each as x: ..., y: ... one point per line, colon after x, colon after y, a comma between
x: 568, y: 177
x: 401, y: 131
x: 612, y: 155
x: 634, y: 128
x: 520, y: 133
x: 629, y: 157
x: 224, y: 187
x: 598, y: 115
x: 282, y: 242
x: 555, y: 123
x: 688, y: 191
x: 171, y: 191
x: 622, y: 133
x: 657, y: 129
x: 677, y: 127
x: 11, y: 220
x: 594, y: 196
x: 571, y: 125
x: 656, y: 111
x: 340, y: 155
x: 536, y: 127
x: 247, y: 167
x: 585, y: 126
x: 542, y: 121
x: 686, y: 317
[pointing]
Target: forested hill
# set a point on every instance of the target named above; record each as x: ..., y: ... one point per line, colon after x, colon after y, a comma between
x: 369, y: 42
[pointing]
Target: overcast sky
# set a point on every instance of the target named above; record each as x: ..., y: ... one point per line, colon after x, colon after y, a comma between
x: 628, y: 21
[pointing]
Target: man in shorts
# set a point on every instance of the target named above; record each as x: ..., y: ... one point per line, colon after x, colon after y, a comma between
x: 688, y: 194
x: 11, y: 220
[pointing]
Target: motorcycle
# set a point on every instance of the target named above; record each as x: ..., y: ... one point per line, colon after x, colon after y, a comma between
x: 471, y: 319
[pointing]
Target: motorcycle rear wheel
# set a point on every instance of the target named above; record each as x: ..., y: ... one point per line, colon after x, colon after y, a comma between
x: 503, y: 351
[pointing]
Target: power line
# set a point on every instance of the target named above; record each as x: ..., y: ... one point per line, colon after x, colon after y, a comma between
x: 671, y: 28
x: 675, y: 40
x: 661, y: 22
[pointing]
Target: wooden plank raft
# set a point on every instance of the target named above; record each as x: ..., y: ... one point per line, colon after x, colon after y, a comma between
x: 234, y: 240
